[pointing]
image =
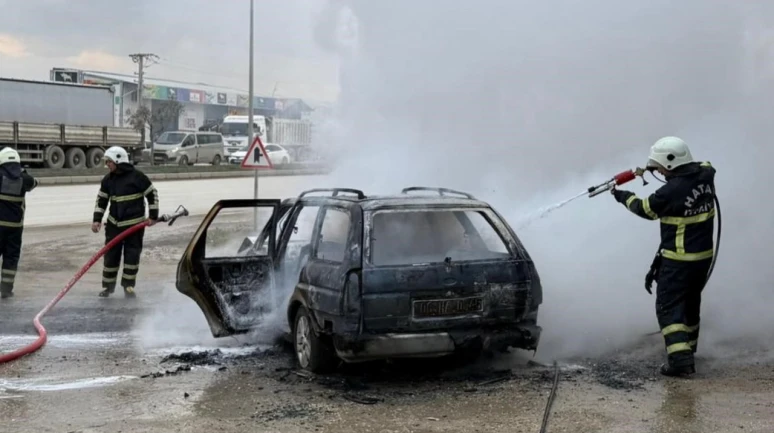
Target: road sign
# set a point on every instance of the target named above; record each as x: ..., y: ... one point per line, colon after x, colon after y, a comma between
x: 256, y: 156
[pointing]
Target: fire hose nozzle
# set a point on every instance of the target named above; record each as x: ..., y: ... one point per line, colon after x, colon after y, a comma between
x: 619, y: 179
x: 181, y: 211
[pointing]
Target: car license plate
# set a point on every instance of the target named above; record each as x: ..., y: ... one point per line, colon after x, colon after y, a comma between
x: 448, y: 307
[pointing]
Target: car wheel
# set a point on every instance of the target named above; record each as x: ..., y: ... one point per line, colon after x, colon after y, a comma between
x: 216, y: 160
x: 183, y: 160
x: 313, y: 352
x: 285, y: 160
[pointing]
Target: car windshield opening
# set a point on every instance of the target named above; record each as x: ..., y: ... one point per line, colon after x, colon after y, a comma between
x: 433, y: 236
x: 171, y: 138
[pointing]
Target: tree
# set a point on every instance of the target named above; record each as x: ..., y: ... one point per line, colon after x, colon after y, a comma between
x: 165, y: 113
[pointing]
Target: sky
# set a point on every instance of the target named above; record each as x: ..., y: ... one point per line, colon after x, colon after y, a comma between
x: 196, y: 40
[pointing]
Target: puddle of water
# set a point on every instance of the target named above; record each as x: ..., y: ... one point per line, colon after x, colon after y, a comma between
x: 11, y: 342
x: 571, y: 367
x: 44, y: 385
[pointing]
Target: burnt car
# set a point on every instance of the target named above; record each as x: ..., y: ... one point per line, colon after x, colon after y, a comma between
x: 428, y: 272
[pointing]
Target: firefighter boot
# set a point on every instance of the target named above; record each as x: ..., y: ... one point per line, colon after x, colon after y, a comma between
x: 672, y: 371
x: 129, y: 292
x: 105, y: 293
x: 6, y: 295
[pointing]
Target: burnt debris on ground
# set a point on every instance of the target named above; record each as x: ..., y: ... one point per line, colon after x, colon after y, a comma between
x: 626, y: 375
x: 375, y: 382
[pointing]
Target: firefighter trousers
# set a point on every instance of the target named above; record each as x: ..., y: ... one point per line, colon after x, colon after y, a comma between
x: 678, y: 307
x: 131, y: 247
x: 10, y: 250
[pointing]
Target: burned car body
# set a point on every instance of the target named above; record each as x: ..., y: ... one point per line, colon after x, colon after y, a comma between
x: 363, y: 278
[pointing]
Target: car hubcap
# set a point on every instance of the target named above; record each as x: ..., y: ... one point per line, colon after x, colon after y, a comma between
x: 303, y: 350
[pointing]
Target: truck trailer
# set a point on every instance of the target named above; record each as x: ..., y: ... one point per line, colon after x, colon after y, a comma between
x: 61, y: 125
x: 294, y: 135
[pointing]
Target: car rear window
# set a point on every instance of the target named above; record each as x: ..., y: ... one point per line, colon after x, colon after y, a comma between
x: 403, y: 237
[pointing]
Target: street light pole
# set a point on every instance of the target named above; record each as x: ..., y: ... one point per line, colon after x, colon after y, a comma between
x: 250, y: 132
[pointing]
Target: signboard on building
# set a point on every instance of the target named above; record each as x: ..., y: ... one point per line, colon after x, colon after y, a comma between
x: 63, y: 75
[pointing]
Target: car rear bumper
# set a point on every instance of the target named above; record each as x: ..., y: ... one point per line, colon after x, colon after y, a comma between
x: 434, y: 344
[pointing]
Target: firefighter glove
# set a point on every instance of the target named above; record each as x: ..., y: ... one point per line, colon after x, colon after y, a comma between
x: 649, y: 280
x: 620, y: 196
x: 652, y: 274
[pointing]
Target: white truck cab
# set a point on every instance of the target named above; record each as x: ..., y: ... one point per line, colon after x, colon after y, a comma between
x: 234, y: 131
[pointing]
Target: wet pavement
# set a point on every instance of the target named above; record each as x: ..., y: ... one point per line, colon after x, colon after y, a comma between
x: 150, y: 364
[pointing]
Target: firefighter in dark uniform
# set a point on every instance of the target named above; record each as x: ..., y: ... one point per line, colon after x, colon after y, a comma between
x: 15, y: 183
x: 126, y: 189
x: 685, y: 207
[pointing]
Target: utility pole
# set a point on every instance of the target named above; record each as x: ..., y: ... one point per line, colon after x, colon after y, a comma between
x: 139, y: 58
x: 250, y: 114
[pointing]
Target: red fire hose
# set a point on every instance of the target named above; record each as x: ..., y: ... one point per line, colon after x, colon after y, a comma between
x: 42, y: 334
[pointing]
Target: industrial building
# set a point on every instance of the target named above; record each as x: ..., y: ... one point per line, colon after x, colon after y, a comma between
x: 202, y: 104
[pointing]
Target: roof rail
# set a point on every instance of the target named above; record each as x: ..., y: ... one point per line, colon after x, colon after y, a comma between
x: 335, y: 191
x: 440, y: 191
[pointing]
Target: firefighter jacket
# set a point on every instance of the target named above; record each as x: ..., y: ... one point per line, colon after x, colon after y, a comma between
x: 15, y: 183
x: 126, y: 190
x: 685, y: 206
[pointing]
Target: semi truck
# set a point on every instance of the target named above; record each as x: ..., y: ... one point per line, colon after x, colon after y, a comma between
x: 295, y: 135
x: 61, y: 125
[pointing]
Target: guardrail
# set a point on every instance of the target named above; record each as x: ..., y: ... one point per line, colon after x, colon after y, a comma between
x: 72, y: 176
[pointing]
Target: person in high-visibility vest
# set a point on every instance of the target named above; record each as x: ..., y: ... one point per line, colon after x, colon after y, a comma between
x: 126, y: 189
x: 15, y: 183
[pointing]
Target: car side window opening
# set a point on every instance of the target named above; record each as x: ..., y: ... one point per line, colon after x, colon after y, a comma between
x: 405, y: 237
x: 227, y: 231
x: 332, y: 242
x: 300, y: 242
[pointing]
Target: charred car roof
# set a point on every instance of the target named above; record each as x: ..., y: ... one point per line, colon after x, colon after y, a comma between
x: 442, y: 196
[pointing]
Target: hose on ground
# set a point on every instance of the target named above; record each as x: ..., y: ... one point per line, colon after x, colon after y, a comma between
x: 551, y: 397
x: 42, y: 334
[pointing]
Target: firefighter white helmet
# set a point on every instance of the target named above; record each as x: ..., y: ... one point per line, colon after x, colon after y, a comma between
x: 9, y: 155
x: 670, y: 153
x: 117, y: 155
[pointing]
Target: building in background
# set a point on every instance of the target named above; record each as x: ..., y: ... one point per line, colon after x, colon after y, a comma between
x: 202, y: 104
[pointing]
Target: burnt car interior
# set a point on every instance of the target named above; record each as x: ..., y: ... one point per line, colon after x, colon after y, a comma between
x: 421, y: 236
x: 228, y: 286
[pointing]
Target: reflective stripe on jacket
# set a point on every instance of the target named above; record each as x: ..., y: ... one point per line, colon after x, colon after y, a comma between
x: 126, y: 190
x: 15, y: 183
x: 685, y: 206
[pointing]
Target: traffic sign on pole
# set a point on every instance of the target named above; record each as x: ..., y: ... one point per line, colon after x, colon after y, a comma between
x: 256, y: 156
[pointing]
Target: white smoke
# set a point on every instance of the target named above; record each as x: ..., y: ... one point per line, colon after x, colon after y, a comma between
x: 526, y: 104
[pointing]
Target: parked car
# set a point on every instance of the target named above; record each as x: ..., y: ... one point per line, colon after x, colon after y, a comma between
x: 364, y: 278
x: 188, y: 148
x: 278, y: 155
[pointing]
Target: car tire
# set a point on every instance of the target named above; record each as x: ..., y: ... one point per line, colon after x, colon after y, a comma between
x: 183, y: 160
x: 313, y: 352
x: 285, y: 161
x: 216, y: 160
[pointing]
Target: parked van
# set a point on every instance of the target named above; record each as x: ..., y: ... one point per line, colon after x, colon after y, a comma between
x: 188, y: 148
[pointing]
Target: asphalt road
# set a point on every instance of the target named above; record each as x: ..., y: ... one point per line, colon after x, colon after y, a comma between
x: 72, y: 204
